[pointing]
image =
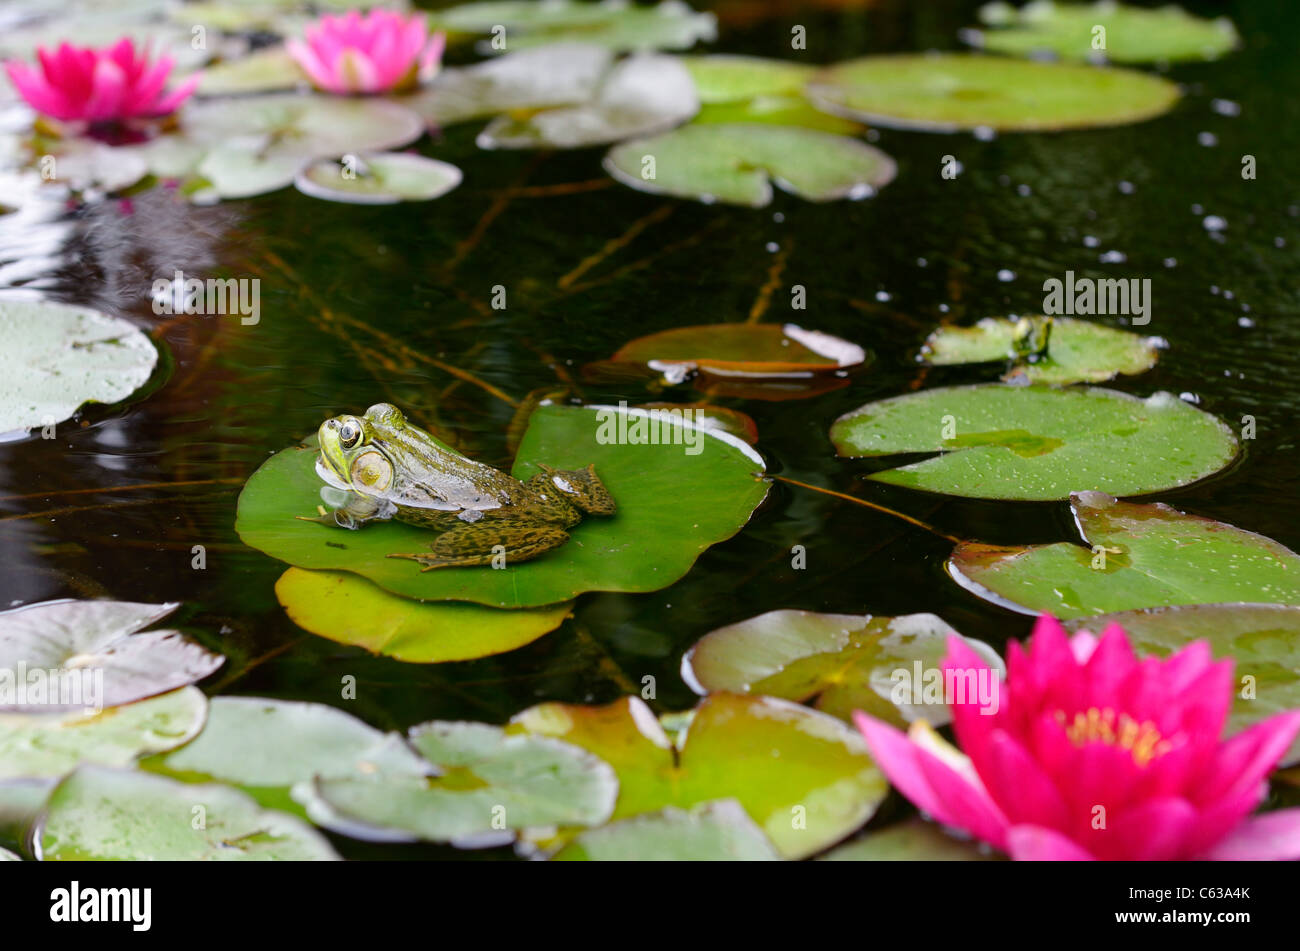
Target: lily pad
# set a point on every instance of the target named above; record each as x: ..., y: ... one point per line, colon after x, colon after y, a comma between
x: 99, y: 814
x: 1129, y: 34
x: 384, y: 178
x: 644, y: 94
x: 805, y: 778
x: 845, y: 662
x: 951, y: 92
x: 1037, y: 442
x: 99, y: 641
x: 1262, y: 639
x: 21, y: 802
x: 728, y: 78
x: 912, y: 841
x: 718, y: 831
x: 615, y: 24
x: 266, y: 746
x: 1133, y: 556
x: 489, y: 785
x: 672, y: 505
x: 741, y: 350
x: 775, y: 110
x: 1044, y: 349
x: 60, y: 356
x: 265, y: 70
x: 35, y: 745
x: 81, y: 164
x: 738, y: 163
x: 351, y: 610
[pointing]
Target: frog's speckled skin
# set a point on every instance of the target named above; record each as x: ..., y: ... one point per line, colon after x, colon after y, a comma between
x: 396, y: 470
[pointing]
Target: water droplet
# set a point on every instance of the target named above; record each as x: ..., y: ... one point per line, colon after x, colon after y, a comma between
x: 1225, y: 107
x: 1006, y: 275
x: 1214, y: 223
x: 985, y: 133
x: 882, y: 295
x: 1207, y: 139
x: 1127, y: 188
x: 1089, y: 241
x: 1113, y: 257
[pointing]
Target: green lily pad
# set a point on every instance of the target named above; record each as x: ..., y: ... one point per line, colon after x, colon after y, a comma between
x: 775, y: 110
x: 98, y: 814
x: 671, y: 506
x: 728, y: 78
x: 99, y: 641
x: 1131, y: 34
x: 384, y: 178
x: 641, y: 95
x: 265, y: 70
x: 1055, y: 350
x: 266, y: 747
x: 950, y: 92
x: 737, y: 164
x: 81, y: 163
x: 805, y: 778
x: 911, y: 841
x: 1133, y: 556
x: 21, y: 802
x: 846, y: 662
x: 718, y: 831
x: 351, y: 610
x: 36, y: 745
x: 1037, y: 442
x: 615, y: 24
x: 60, y: 356
x: 1262, y: 639
x: 490, y: 784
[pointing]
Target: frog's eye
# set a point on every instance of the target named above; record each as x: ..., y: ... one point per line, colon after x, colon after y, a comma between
x: 349, y: 434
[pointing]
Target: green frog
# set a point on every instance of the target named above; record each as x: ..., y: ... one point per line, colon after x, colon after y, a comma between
x: 392, y: 469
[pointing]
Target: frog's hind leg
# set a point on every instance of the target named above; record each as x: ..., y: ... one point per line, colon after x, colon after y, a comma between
x: 581, y: 487
x: 484, y: 543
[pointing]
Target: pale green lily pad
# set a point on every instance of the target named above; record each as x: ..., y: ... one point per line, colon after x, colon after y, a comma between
x: 60, y: 357
x: 615, y: 24
x: 81, y: 164
x: 1133, y: 556
x: 21, y: 801
x: 1129, y: 34
x: 1037, y: 443
x: 719, y: 831
x: 641, y: 95
x: 846, y: 662
x: 737, y: 164
x: 672, y: 505
x: 101, y: 640
x: 727, y: 78
x: 950, y: 92
x: 1262, y: 639
x: 378, y: 179
x: 351, y: 610
x: 805, y: 778
x: 911, y: 841
x: 99, y: 814
x: 266, y: 747
x: 265, y: 70
x: 776, y: 110
x: 1044, y: 349
x: 36, y: 745
x: 490, y: 785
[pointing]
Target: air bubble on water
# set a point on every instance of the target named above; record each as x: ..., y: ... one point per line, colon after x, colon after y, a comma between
x: 1197, y: 209
x: 882, y: 296
x: 1214, y: 289
x: 1245, y: 308
x: 1213, y: 223
x: 1171, y: 262
x: 943, y: 308
x: 1228, y: 295
x: 778, y: 217
x: 922, y: 262
x: 1112, y: 257
x: 1245, y: 322
x: 708, y: 199
x: 1279, y: 242
x: 773, y: 247
x: 1207, y: 139
x: 1024, y: 191
x: 1090, y: 242
x: 858, y: 192
x: 1225, y: 107
x: 985, y: 133
x: 1127, y: 188
x: 1006, y: 275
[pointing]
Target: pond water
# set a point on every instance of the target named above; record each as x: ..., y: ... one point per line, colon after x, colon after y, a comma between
x: 113, y: 506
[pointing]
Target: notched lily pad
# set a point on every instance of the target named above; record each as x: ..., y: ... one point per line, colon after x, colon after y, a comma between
x: 1037, y: 442
x: 1105, y: 30
x: 60, y: 357
x: 738, y: 164
x: 1044, y: 349
x: 99, y: 640
x: 384, y: 178
x: 615, y: 24
x: 1133, y: 556
x: 950, y: 92
x: 844, y: 662
x: 346, y: 608
x: 719, y: 831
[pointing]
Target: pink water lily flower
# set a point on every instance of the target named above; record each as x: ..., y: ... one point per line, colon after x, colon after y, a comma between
x: 377, y: 52
x: 99, y: 85
x: 1093, y: 753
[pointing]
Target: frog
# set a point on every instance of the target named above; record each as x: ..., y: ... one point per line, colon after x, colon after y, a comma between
x: 393, y: 469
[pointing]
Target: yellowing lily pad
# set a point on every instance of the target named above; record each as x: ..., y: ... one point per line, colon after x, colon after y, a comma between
x: 729, y: 78
x: 1132, y: 556
x: 615, y: 24
x: 1037, y: 442
x: 806, y: 779
x: 951, y: 92
x: 1044, y: 349
x: 844, y: 662
x: 384, y: 178
x: 783, y: 110
x: 738, y: 164
x: 719, y: 831
x: 1103, y: 30
x: 60, y: 357
x: 351, y: 610
x: 675, y: 498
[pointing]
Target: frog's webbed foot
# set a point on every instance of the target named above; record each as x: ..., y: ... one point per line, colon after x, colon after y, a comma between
x: 582, y: 487
x: 487, y: 544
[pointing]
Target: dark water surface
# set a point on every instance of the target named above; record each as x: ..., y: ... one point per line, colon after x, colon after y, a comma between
x: 113, y: 506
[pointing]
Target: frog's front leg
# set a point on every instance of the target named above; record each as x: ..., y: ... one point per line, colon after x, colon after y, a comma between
x: 482, y: 542
x: 353, y: 511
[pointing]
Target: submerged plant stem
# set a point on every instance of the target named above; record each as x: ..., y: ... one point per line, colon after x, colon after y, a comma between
x: 871, y: 505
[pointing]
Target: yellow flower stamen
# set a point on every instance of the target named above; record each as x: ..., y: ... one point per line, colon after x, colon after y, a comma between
x: 1142, y: 740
